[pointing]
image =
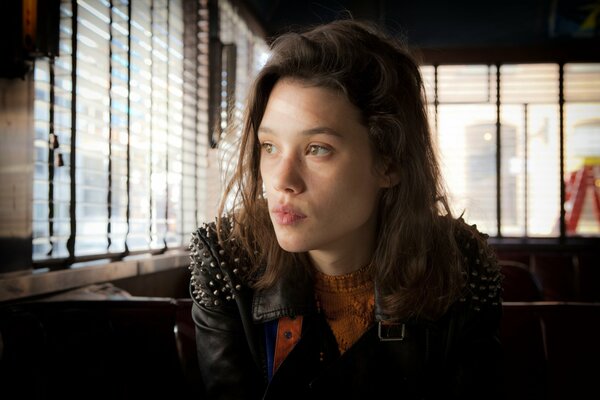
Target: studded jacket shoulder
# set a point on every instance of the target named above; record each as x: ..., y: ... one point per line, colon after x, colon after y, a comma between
x: 483, y: 279
x: 216, y: 277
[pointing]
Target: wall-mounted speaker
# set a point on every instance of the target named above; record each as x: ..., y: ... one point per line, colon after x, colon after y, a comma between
x: 29, y: 29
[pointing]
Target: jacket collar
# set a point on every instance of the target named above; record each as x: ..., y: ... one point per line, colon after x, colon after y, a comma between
x: 291, y: 295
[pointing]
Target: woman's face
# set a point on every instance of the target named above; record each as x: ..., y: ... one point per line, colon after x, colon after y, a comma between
x: 318, y: 170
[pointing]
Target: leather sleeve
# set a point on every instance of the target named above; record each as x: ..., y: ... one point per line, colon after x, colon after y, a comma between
x: 475, y: 330
x: 228, y: 369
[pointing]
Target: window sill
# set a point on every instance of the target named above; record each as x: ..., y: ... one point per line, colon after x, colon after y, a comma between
x: 36, y: 282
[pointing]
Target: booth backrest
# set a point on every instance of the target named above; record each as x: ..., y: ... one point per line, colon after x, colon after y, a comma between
x: 140, y: 348
x: 125, y: 349
x: 551, y: 349
x: 520, y: 284
x: 571, y: 275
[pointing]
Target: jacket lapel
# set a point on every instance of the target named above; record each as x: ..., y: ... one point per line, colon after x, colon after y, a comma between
x: 290, y: 296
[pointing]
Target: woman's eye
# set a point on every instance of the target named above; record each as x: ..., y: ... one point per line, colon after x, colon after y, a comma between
x: 268, y: 148
x: 316, y: 150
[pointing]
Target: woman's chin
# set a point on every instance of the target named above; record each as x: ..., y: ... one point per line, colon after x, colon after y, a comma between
x: 291, y: 245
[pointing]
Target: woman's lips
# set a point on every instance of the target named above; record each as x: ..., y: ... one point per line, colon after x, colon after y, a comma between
x: 285, y: 215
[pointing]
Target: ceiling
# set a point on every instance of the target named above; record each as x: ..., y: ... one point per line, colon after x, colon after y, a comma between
x: 445, y: 23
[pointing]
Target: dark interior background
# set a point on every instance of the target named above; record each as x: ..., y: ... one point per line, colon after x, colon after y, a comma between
x: 459, y: 31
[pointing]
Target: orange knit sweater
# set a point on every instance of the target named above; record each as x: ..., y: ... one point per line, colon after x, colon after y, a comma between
x: 347, y: 302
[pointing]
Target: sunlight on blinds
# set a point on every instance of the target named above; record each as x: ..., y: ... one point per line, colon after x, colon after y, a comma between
x: 467, y: 141
x: 530, y: 150
x: 52, y: 115
x: 92, y: 127
x: 119, y: 123
x: 127, y: 158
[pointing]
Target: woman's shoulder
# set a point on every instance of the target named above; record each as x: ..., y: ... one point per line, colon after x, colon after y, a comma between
x: 483, y: 278
x: 218, y: 267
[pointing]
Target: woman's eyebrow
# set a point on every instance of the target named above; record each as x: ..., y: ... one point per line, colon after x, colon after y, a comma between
x: 264, y: 129
x: 319, y: 130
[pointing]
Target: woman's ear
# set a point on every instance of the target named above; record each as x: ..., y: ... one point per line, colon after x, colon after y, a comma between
x: 389, y: 174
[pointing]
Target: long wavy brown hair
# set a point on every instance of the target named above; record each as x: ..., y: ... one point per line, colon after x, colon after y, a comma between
x: 416, y: 264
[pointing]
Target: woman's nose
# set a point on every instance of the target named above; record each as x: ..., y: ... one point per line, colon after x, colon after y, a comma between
x: 288, y: 175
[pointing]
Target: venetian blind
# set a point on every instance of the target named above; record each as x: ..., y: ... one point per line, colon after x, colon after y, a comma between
x: 117, y: 136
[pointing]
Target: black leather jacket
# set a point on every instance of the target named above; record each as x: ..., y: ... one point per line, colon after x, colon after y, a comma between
x: 457, y: 356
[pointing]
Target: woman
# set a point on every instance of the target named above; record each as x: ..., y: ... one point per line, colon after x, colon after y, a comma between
x: 340, y: 271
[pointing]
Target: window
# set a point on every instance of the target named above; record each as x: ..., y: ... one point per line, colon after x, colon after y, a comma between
x: 119, y: 139
x: 502, y: 142
x: 123, y: 157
